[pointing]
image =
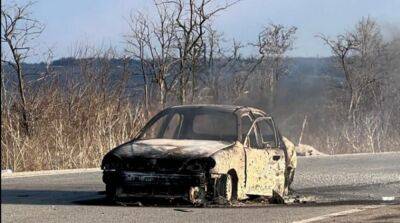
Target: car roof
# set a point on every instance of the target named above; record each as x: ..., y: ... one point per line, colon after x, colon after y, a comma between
x: 223, y: 108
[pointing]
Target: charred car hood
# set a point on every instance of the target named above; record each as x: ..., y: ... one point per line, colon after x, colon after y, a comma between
x: 169, y: 148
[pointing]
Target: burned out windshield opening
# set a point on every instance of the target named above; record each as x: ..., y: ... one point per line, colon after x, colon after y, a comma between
x: 193, y: 124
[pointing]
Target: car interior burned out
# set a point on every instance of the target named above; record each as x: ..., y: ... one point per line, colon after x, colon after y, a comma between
x: 198, y: 124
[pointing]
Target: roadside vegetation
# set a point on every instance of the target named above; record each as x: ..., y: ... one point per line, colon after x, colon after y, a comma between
x: 71, y: 111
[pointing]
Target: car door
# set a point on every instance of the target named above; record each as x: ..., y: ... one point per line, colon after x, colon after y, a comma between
x: 257, y: 159
x: 275, y: 168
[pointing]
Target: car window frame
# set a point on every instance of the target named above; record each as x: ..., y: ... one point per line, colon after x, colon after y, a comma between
x: 258, y: 114
x: 241, y: 124
x: 258, y: 133
x: 276, y: 141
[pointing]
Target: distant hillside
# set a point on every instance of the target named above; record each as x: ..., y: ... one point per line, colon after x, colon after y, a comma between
x: 301, y: 70
x: 300, y: 92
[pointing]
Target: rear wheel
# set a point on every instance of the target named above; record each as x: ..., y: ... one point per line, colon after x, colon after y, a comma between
x: 289, y: 180
x: 291, y: 177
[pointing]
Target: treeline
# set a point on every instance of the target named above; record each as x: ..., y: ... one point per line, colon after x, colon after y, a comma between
x: 78, y: 108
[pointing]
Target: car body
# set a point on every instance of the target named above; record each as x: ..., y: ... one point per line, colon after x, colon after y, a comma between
x: 202, y: 153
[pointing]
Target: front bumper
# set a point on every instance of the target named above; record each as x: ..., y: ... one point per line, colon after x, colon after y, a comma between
x: 142, y: 184
x: 133, y: 178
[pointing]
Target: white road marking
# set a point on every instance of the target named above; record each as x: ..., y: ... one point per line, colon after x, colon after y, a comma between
x: 348, y: 155
x: 342, y: 213
x: 46, y: 173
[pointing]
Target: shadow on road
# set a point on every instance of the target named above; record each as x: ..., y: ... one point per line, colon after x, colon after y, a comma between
x: 93, y: 198
x: 57, y: 197
x: 45, y: 197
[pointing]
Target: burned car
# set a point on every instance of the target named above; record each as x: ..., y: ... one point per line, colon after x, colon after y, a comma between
x: 202, y: 153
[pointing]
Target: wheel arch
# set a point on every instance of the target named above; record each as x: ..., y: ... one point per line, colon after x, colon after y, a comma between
x: 235, y: 180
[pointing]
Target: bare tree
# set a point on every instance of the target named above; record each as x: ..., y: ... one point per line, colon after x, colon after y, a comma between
x: 369, y: 98
x: 137, y: 44
x: 191, y: 18
x: 18, y: 29
x: 216, y: 62
x: 274, y: 41
x: 360, y: 54
x: 341, y: 49
x: 170, y: 46
x: 151, y: 42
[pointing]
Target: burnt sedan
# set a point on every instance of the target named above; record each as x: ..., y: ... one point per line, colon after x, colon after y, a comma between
x: 202, y: 153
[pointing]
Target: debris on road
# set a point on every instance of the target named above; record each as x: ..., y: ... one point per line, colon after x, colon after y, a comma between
x: 6, y: 171
x: 182, y: 210
x: 297, y: 199
x: 307, y: 150
x: 387, y: 198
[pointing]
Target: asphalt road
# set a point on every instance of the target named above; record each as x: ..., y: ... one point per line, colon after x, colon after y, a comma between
x: 342, y: 188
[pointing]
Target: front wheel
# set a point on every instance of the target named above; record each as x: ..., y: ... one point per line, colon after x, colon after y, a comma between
x: 225, y: 188
x: 111, y: 192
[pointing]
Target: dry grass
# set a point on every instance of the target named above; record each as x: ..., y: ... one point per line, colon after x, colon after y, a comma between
x: 73, y: 122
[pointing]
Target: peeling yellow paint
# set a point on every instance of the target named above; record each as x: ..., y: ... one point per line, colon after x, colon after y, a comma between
x: 257, y: 171
x: 291, y: 149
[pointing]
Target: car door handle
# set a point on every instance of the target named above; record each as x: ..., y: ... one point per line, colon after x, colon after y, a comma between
x: 276, y: 157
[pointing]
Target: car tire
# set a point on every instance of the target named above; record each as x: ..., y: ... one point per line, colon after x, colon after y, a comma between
x: 289, y: 180
x: 225, y: 188
x: 291, y: 177
x: 111, y: 192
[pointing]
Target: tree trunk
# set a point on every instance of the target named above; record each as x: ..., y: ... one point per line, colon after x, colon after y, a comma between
x: 193, y: 85
x: 146, y: 99
x: 21, y: 89
x: 215, y: 91
x: 182, y: 89
x: 163, y: 94
x: 272, y: 93
x: 145, y: 89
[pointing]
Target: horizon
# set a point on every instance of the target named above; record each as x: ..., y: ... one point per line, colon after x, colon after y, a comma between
x: 121, y: 57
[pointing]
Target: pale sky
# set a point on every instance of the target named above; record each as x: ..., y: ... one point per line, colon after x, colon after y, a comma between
x: 103, y: 22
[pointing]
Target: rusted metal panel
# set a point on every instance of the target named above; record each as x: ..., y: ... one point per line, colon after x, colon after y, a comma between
x: 161, y: 148
x: 291, y: 152
x: 232, y: 158
x: 165, y: 162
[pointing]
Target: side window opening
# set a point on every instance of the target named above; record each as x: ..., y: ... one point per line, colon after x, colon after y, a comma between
x: 252, y: 140
x: 267, y: 133
x: 246, y: 124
